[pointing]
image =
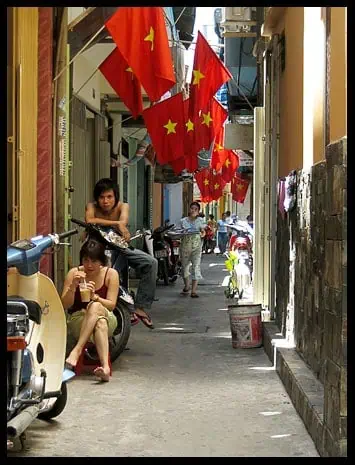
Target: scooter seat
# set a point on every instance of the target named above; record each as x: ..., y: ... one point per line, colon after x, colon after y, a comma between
x: 34, y: 309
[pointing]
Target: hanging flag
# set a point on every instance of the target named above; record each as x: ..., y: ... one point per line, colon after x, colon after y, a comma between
x: 191, y: 161
x: 204, y: 182
x: 165, y: 124
x: 219, y: 153
x: 217, y: 186
x: 123, y: 81
x: 239, y: 188
x: 211, y: 184
x: 208, y: 75
x: 210, y: 123
x: 229, y: 166
x: 141, y: 36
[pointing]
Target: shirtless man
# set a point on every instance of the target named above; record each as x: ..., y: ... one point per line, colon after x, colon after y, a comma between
x: 108, y: 210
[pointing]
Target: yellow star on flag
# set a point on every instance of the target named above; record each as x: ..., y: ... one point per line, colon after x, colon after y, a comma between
x: 239, y: 187
x: 189, y: 125
x: 129, y: 69
x: 206, y: 119
x: 227, y: 162
x: 216, y: 186
x: 206, y: 182
x: 170, y: 126
x: 150, y: 38
x: 218, y: 148
x: 197, y: 77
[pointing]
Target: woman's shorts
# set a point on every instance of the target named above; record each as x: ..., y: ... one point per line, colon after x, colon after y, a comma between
x: 75, y: 320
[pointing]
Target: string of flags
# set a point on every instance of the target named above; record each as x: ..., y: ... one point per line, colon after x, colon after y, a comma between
x: 181, y: 130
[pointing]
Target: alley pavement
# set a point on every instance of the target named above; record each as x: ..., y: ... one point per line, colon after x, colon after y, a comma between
x: 179, y: 390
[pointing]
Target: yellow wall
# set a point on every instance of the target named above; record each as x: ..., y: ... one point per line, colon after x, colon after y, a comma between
x: 291, y: 92
x: 338, y: 70
x: 26, y: 65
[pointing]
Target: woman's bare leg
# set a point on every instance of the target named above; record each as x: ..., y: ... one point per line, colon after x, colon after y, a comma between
x: 101, y: 343
x: 194, y: 286
x: 87, y: 327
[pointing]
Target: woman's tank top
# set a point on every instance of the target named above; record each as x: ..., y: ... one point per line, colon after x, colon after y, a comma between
x: 79, y: 305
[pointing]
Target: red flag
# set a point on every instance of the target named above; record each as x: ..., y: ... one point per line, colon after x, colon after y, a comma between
x: 208, y: 75
x: 211, y: 184
x: 210, y: 123
x: 204, y: 182
x: 191, y: 161
x: 140, y: 34
x: 219, y: 153
x: 217, y: 186
x: 229, y: 166
x: 123, y: 81
x: 239, y: 188
x: 165, y: 124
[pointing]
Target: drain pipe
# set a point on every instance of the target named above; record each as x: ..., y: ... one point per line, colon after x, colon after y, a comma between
x: 17, y: 425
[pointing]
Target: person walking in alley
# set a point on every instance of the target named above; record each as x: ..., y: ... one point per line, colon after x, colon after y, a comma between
x: 191, y: 248
x: 90, y: 294
x: 108, y: 210
x: 222, y: 234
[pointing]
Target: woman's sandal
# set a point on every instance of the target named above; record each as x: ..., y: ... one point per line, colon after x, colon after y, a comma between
x: 145, y: 319
x: 184, y: 291
x: 194, y: 295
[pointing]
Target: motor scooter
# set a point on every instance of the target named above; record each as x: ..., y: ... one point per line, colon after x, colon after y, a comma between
x: 36, y: 338
x: 164, y: 252
x: 241, y: 241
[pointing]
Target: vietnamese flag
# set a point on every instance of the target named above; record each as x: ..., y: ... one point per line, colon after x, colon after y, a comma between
x: 208, y: 75
x: 219, y: 153
x: 121, y: 78
x: 217, y: 185
x: 230, y: 166
x: 239, y: 188
x: 204, y: 182
x: 141, y: 36
x: 210, y: 123
x: 191, y: 161
x: 165, y: 124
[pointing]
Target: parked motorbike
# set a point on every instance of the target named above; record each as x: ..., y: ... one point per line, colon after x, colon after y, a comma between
x: 241, y: 241
x: 163, y: 248
x: 36, y: 338
x: 125, y: 302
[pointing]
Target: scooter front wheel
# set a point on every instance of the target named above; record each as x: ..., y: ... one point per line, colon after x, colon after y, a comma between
x: 58, y: 405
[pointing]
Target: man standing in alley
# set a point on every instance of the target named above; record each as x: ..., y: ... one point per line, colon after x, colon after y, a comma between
x: 108, y: 210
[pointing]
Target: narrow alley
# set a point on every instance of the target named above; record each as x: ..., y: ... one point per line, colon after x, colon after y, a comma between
x: 180, y: 390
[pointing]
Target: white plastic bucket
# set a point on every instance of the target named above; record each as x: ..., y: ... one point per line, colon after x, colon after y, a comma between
x: 246, y: 327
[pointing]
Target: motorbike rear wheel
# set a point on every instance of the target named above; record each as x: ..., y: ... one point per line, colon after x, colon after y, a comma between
x: 58, y: 405
x: 164, y: 272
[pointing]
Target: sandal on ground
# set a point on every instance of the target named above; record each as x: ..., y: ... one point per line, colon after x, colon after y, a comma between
x: 194, y: 295
x: 146, y: 320
x: 185, y: 291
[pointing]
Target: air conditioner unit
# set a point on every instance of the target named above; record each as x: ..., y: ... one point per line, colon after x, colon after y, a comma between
x: 237, y: 20
x: 239, y: 13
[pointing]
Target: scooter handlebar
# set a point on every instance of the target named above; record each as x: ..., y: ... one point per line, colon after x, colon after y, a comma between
x: 67, y: 234
x: 79, y: 222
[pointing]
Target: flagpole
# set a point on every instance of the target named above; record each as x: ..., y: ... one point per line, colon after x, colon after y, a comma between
x: 79, y: 52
